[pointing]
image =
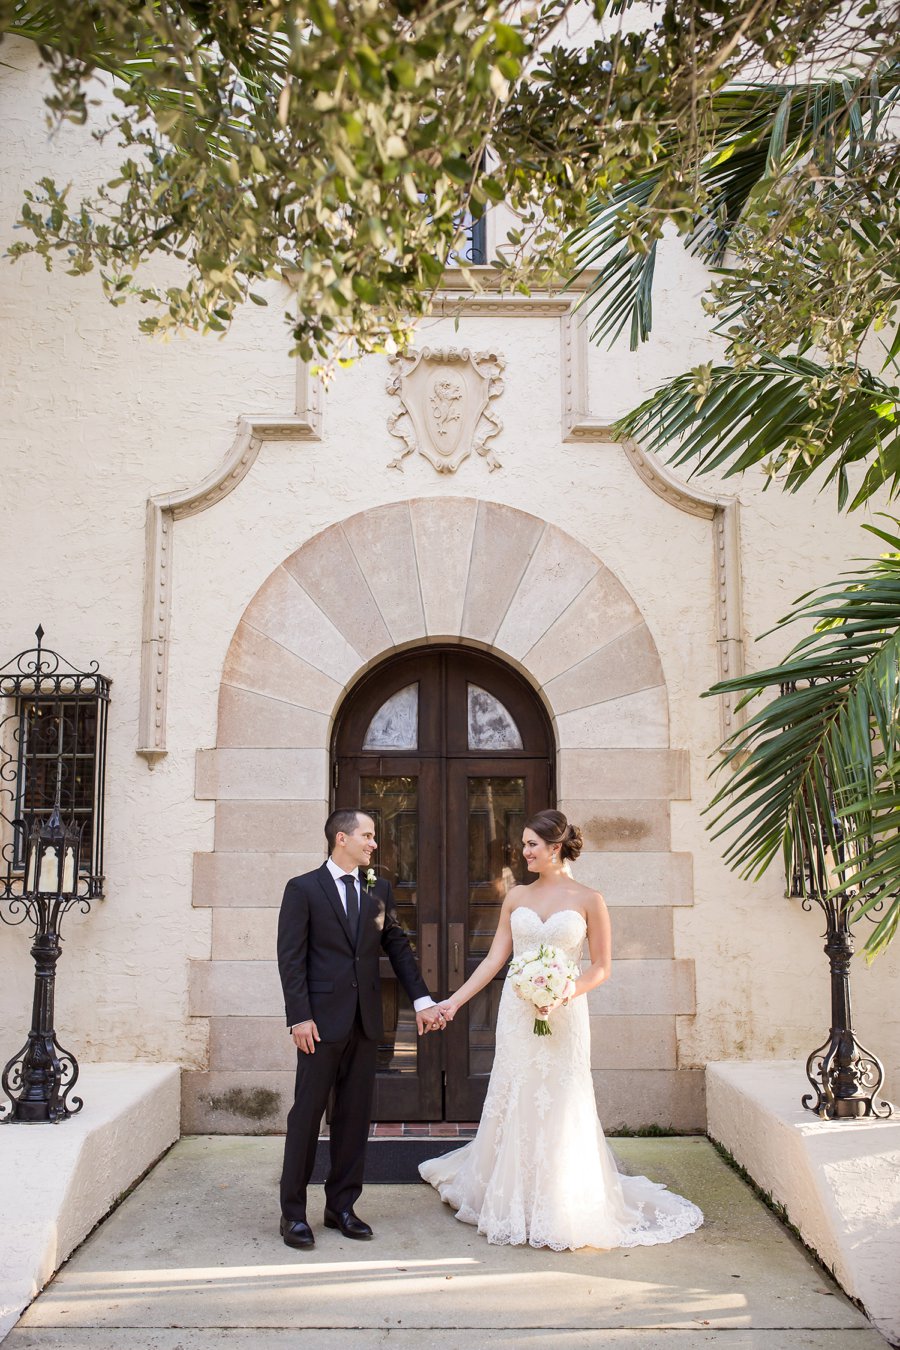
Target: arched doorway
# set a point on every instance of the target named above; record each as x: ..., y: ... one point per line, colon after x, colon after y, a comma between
x: 449, y: 750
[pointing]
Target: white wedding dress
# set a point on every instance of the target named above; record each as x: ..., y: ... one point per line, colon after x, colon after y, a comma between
x: 539, y: 1170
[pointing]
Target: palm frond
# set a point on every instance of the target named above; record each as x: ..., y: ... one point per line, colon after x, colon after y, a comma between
x: 725, y: 418
x: 817, y: 775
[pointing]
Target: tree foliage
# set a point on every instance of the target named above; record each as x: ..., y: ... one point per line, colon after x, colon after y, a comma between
x: 342, y: 144
x: 796, y: 207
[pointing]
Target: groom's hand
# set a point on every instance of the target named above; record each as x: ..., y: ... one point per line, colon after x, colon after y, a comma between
x: 429, y: 1019
x: 305, y: 1035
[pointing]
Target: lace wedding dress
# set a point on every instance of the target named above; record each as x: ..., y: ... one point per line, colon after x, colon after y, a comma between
x: 539, y: 1169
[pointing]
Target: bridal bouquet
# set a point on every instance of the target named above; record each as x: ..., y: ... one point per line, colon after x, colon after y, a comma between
x: 541, y: 977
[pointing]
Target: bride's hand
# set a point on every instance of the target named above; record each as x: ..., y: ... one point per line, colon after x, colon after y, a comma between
x: 449, y: 1009
x: 552, y: 1007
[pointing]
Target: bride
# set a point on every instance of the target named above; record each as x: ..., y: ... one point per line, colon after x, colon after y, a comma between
x: 539, y: 1169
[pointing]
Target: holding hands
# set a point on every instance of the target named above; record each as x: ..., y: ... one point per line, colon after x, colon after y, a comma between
x: 437, y: 1017
x: 430, y: 1019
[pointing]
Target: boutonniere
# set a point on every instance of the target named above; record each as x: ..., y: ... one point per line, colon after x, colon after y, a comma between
x: 370, y: 878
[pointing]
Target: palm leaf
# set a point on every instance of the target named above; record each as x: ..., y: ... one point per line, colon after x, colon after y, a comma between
x: 817, y: 768
x: 728, y: 419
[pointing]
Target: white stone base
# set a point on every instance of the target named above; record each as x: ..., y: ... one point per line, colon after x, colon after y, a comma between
x: 839, y: 1181
x: 58, y: 1181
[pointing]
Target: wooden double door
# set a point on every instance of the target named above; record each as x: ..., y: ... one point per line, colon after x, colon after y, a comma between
x: 449, y: 751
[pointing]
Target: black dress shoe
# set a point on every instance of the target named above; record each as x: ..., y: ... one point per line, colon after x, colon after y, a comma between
x: 349, y: 1224
x: 297, y: 1233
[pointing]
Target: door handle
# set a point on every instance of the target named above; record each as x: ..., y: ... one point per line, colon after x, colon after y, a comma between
x: 428, y: 956
x: 456, y: 945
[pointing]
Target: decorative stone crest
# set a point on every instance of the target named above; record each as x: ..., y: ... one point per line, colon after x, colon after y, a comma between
x: 446, y: 394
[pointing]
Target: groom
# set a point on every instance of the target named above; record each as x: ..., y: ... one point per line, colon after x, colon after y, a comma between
x: 334, y: 925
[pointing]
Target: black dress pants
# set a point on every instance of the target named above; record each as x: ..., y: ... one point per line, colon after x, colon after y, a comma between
x: 348, y: 1066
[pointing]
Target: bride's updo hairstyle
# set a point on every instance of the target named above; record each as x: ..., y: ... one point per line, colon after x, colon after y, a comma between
x: 555, y: 830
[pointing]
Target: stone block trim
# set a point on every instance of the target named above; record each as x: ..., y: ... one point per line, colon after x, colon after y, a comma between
x: 261, y: 666
x: 315, y: 566
x: 250, y: 934
x: 257, y: 1101
x: 271, y: 827
x: 633, y: 1042
x: 250, y: 1044
x: 438, y: 569
x: 229, y: 988
x: 639, y: 988
x: 638, y: 878
x: 620, y: 826
x: 634, y: 1098
x: 642, y: 933
x: 246, y: 1044
x: 265, y: 775
x: 232, y: 988
x: 443, y: 530
x: 637, y: 719
x: 248, y: 879
x: 255, y: 720
x: 254, y: 1102
x: 619, y: 773
x: 626, y: 665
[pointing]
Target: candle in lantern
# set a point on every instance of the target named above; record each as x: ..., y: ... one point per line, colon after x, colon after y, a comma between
x: 32, y: 869
x: 49, y: 871
x: 69, y: 871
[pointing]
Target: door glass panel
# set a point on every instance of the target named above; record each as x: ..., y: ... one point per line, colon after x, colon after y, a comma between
x: 491, y: 725
x: 395, y: 726
x: 495, y: 864
x: 393, y: 804
x: 496, y: 821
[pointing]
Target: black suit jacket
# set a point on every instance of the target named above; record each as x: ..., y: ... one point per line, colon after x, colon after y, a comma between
x: 323, y: 974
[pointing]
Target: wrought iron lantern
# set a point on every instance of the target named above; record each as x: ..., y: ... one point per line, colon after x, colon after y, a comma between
x: 40, y: 1076
x: 846, y: 1077
x: 52, y: 757
x: 51, y: 859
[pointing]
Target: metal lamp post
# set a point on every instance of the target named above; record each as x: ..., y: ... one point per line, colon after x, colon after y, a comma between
x: 40, y: 1076
x: 845, y: 1076
x: 53, y: 721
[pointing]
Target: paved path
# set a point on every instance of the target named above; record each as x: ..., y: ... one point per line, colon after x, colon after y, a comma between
x: 192, y: 1261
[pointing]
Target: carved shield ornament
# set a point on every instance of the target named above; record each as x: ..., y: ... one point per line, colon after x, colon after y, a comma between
x: 446, y: 395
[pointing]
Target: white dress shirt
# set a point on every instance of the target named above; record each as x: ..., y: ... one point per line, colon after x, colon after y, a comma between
x: 426, y: 1001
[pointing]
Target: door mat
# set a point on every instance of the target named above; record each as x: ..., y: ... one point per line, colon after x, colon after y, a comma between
x: 390, y: 1162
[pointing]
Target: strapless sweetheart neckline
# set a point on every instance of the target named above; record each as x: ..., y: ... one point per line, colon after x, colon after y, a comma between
x: 550, y: 916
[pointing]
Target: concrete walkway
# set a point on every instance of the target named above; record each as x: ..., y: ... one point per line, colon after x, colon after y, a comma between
x: 192, y: 1261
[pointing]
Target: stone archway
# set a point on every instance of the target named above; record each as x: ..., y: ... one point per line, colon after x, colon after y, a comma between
x: 438, y: 569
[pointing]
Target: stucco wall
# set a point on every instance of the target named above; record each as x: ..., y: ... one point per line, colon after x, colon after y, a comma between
x: 96, y: 419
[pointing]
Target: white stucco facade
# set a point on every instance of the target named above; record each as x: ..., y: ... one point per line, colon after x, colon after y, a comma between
x: 98, y: 420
